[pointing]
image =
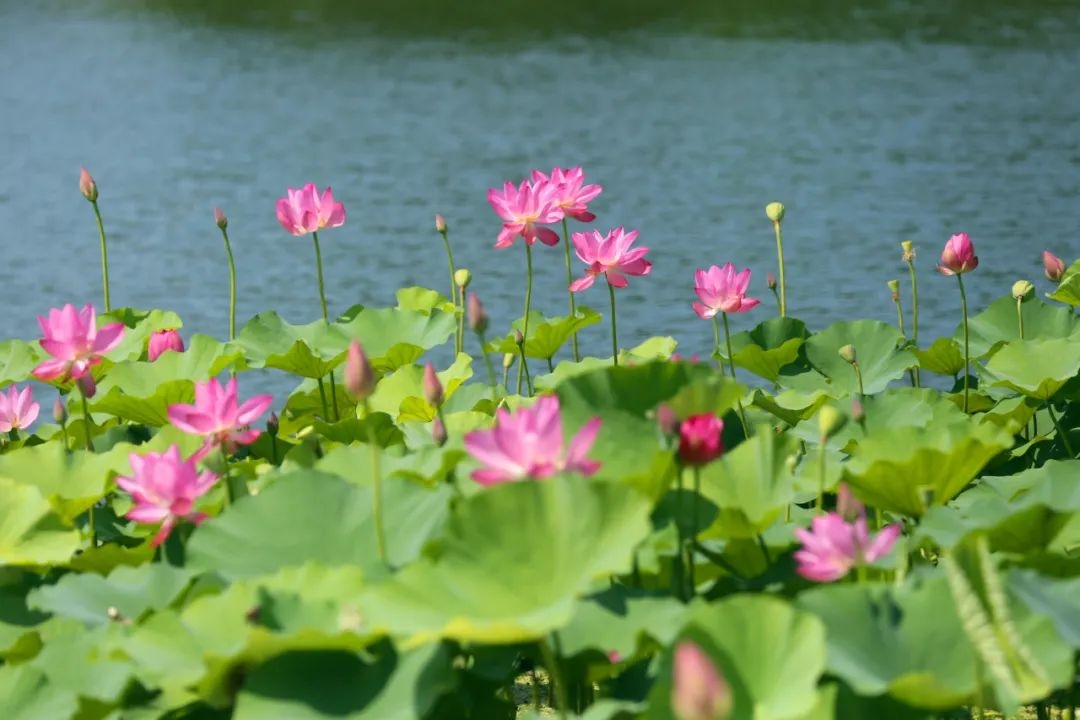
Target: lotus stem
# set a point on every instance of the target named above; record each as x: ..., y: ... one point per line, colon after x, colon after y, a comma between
x: 780, y: 261
x: 450, y: 263
x: 858, y: 378
x: 376, y: 487
x: 1020, y: 315
x: 528, y: 377
x: 679, y: 570
x: 555, y: 681
x: 716, y: 345
x: 1060, y: 430
x: 104, y: 254
x: 731, y: 362
x: 528, y: 304
x: 459, y: 336
x: 86, y: 422
x: 914, y: 314
x: 322, y: 399
x: 232, y: 284
x: 819, y: 506
x: 326, y: 319
x: 967, y: 348
x: 695, y: 528
x: 614, y: 331
x: 569, y: 280
x: 487, y: 364
x: 235, y: 487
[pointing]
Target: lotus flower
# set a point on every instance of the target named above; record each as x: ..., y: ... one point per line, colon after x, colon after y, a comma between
x: 698, y: 690
x: 305, y: 211
x: 569, y: 194
x: 163, y: 341
x: 699, y: 439
x: 87, y: 186
x: 958, y: 257
x: 523, y: 209
x: 17, y: 409
x: 1053, y: 266
x: 76, y: 344
x: 165, y: 488
x: 529, y: 444
x: 833, y: 546
x: 722, y: 290
x: 217, y: 416
x: 609, y: 255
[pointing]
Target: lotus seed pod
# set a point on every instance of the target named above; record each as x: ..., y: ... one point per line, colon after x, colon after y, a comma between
x: 909, y: 251
x: 894, y: 289
x: 1021, y: 289
x: 775, y: 211
x: 462, y: 277
x: 848, y: 353
x: 830, y: 420
x: 508, y: 360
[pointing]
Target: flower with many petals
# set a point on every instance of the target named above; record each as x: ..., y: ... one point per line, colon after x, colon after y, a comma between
x: 958, y: 257
x: 217, y: 415
x: 570, y: 194
x: 163, y: 341
x: 17, y: 409
x: 529, y: 444
x: 699, y: 439
x: 165, y: 487
x: 75, y: 342
x: 523, y: 210
x: 722, y: 290
x: 833, y: 546
x: 609, y: 255
x: 305, y: 211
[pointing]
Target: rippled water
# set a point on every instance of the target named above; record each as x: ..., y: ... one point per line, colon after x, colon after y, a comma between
x: 871, y: 125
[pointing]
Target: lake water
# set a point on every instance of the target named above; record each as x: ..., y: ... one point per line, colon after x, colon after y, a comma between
x: 873, y: 123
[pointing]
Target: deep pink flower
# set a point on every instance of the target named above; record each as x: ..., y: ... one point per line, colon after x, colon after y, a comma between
x: 569, y: 195
x: 698, y: 690
x: 76, y: 344
x: 17, y: 409
x: 165, y: 488
x: 304, y: 211
x: 958, y: 257
x: 699, y: 439
x: 523, y: 209
x: 609, y: 255
x: 163, y: 341
x: 217, y: 415
x: 529, y: 444
x: 1053, y: 266
x: 722, y: 290
x: 833, y: 546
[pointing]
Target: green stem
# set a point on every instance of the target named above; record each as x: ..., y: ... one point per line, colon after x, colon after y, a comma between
x: 232, y: 285
x: 780, y: 259
x: 528, y: 304
x: 104, y: 255
x: 555, y: 681
x: 86, y: 422
x: 235, y: 486
x: 914, y: 315
x: 450, y: 262
x: 900, y: 316
x: 679, y: 569
x: 967, y: 349
x: 695, y: 529
x: 731, y: 362
x: 1060, y: 430
x: 614, y: 331
x: 569, y: 280
x: 551, y: 364
x: 322, y: 285
x: 716, y: 344
x: 528, y: 377
x: 376, y: 485
x: 333, y: 397
x: 819, y: 507
x: 858, y: 377
x: 1020, y: 315
x: 322, y: 398
x: 459, y: 340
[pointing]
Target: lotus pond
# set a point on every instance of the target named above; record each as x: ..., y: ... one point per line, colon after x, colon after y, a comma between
x: 445, y: 520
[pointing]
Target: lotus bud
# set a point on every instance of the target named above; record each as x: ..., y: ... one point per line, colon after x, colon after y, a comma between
x: 847, y: 504
x: 163, y: 341
x: 508, y: 360
x: 519, y: 339
x: 775, y: 211
x: 219, y: 219
x: 894, y: 289
x: 698, y: 690
x: 440, y: 224
x: 438, y: 431
x: 59, y: 411
x: 478, y: 319
x: 87, y: 186
x: 770, y: 280
x: 667, y: 420
x: 272, y: 424
x: 462, y: 277
x: 1021, y: 289
x: 1053, y: 266
x: 909, y: 251
x: 359, y: 377
x: 857, y: 411
x: 87, y: 386
x: 433, y: 389
x: 848, y: 353
x: 830, y: 420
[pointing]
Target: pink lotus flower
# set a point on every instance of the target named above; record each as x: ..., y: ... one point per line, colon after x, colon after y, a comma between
x: 163, y: 341
x: 1053, y: 266
x: 958, y: 257
x: 833, y: 546
x: 609, y: 255
x: 74, y: 341
x: 305, y: 211
x: 17, y: 409
x: 699, y: 439
x: 569, y: 194
x: 523, y: 209
x: 165, y: 489
x: 722, y: 290
x: 698, y: 690
x: 529, y: 444
x: 216, y: 415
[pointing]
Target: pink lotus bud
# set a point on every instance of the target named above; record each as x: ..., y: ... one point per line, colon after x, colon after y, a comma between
x: 87, y: 186
x: 438, y: 431
x: 857, y: 412
x: 698, y: 690
x: 478, y: 319
x: 163, y: 341
x: 219, y: 219
x: 59, y: 411
x: 847, y: 504
x: 958, y: 257
x: 272, y: 424
x: 519, y: 339
x: 433, y: 389
x: 699, y: 439
x: 440, y: 223
x: 359, y: 377
x: 1053, y: 266
x: 87, y: 385
x: 614, y: 657
x: 667, y: 420
x: 770, y: 280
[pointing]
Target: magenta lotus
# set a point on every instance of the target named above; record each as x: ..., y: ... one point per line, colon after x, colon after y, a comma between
x: 305, y: 211
x: 833, y: 546
x: 76, y: 344
x: 699, y: 439
x: 165, y: 487
x: 528, y: 444
x: 217, y: 415
x: 611, y: 256
x: 163, y: 341
x: 698, y: 690
x: 18, y: 410
x: 958, y: 257
x: 570, y: 194
x: 722, y: 290
x: 523, y: 210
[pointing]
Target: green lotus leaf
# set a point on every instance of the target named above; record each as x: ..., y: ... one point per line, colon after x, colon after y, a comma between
x: 422, y: 300
x: 546, y: 335
x: 74, y: 659
x: 26, y: 694
x: 17, y: 359
x: 564, y: 371
x: 139, y: 326
x: 31, y: 534
x: 382, y: 330
x: 653, y: 348
x: 877, y: 350
x: 999, y: 324
x: 1056, y: 599
x: 769, y: 347
x: 131, y: 591
x: 1068, y: 289
x: 426, y: 466
x: 945, y: 356
x: 620, y: 619
x: 493, y: 581
x: 401, y: 394
x: 1035, y: 368
x: 714, y: 394
x: 310, y: 351
x: 18, y: 623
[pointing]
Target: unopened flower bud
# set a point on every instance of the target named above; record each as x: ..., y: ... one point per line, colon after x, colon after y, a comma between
x: 359, y: 377
x: 909, y: 251
x: 59, y: 411
x: 508, y: 360
x: 667, y: 420
x: 1021, y: 289
x: 848, y: 353
x: 770, y: 280
x: 163, y: 341
x: 440, y: 223
x: 698, y: 690
x: 519, y: 339
x: 775, y: 211
x: 433, y: 389
x: 462, y: 277
x: 219, y: 219
x: 87, y: 186
x: 830, y: 420
x: 478, y: 319
x: 87, y: 386
x: 438, y: 431
x: 1053, y: 266
x: 272, y: 424
x: 847, y: 504
x: 894, y: 289
x: 857, y: 411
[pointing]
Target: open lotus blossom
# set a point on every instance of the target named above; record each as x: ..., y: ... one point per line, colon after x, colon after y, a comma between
x: 570, y: 195
x: 958, y: 257
x: 165, y: 487
x: 304, y: 211
x: 698, y: 690
x: 833, y: 546
x: 163, y: 341
x: 1053, y: 266
x: 523, y: 210
x: 217, y: 415
x: 17, y: 409
x: 722, y: 290
x: 529, y: 444
x: 699, y: 439
x: 75, y: 342
x: 609, y: 255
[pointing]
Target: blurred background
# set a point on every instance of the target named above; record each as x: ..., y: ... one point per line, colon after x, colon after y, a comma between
x: 873, y: 122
